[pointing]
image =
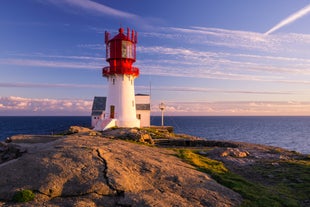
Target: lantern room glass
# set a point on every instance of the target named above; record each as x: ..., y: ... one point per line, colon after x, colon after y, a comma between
x: 128, y: 50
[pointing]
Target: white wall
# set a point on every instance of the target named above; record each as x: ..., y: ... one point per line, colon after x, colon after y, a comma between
x: 121, y: 94
x: 145, y: 115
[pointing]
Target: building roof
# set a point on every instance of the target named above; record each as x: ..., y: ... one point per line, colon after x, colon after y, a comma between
x: 99, y: 103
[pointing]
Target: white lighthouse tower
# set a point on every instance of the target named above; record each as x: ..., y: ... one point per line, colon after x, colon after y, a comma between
x: 120, y: 107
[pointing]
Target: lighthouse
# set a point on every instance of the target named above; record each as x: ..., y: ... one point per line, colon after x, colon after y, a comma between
x: 120, y: 107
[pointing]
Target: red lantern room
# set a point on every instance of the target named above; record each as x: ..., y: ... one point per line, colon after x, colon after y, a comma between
x: 121, y: 53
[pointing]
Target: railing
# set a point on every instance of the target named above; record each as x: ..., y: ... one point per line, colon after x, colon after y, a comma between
x: 106, y: 71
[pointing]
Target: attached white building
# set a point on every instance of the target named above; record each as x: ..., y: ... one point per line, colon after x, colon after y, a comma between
x: 143, y: 109
x: 98, y: 109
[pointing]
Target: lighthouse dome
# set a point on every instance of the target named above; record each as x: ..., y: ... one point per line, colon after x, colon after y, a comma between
x: 121, y: 53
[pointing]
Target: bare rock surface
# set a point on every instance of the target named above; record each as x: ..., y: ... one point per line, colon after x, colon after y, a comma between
x: 84, y: 169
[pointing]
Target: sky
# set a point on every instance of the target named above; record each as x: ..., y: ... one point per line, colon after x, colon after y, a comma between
x: 202, y: 57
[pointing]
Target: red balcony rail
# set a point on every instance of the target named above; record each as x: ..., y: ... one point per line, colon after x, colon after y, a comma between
x: 106, y: 71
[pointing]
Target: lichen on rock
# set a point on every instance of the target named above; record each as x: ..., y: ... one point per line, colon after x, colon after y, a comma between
x: 108, y: 172
x: 90, y: 168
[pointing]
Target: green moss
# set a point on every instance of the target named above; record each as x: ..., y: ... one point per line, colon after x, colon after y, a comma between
x: 283, y: 185
x: 23, y: 196
x: 202, y: 163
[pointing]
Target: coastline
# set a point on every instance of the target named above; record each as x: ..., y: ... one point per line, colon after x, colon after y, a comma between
x: 291, y: 133
x: 119, y: 155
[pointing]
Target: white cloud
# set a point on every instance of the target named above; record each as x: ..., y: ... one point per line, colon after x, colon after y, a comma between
x: 236, y: 40
x: 250, y: 56
x: 93, y: 7
x: 171, y: 61
x: 60, y: 57
x: 100, y: 47
x: 35, y: 106
x: 292, y: 18
x: 50, y: 64
x: 220, y: 91
x: 88, y: 7
x: 49, y: 85
x: 245, y: 108
x: 223, y: 66
x: 222, y: 38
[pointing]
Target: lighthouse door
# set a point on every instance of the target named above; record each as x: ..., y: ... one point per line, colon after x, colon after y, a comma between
x: 112, y: 111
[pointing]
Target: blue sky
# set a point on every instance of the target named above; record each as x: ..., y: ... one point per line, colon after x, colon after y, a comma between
x: 202, y: 57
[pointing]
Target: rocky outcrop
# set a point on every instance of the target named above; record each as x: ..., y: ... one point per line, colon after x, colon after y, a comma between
x: 85, y: 169
x: 89, y: 168
x: 132, y: 134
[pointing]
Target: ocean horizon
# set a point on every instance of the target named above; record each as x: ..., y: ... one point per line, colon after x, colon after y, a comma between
x: 289, y: 132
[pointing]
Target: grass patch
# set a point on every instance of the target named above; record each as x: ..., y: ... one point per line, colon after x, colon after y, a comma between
x: 23, y: 196
x: 285, y: 190
x: 290, y: 178
x: 202, y: 163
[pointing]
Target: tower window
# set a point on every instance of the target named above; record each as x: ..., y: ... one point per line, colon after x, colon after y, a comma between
x: 113, y: 81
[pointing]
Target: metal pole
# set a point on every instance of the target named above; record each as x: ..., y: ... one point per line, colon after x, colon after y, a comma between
x: 162, y: 108
x: 162, y: 117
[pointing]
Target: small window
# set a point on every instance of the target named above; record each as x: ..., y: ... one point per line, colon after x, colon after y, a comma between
x: 113, y: 81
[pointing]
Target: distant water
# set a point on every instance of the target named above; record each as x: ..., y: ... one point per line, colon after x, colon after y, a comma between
x: 12, y: 125
x: 292, y: 133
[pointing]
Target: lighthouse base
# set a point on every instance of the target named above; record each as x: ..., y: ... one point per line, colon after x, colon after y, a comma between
x: 104, y: 124
x: 126, y: 123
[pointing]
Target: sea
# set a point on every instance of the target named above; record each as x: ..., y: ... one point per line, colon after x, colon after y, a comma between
x: 292, y: 133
